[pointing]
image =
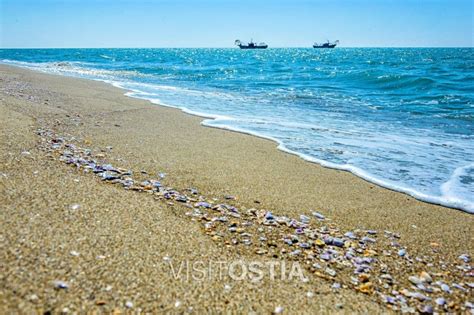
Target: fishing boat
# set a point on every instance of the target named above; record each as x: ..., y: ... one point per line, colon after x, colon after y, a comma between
x: 251, y: 45
x: 326, y: 45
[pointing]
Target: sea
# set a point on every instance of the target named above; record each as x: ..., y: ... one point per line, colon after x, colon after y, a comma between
x: 401, y: 118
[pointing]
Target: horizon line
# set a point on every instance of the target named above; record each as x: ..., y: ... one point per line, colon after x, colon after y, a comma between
x: 229, y: 47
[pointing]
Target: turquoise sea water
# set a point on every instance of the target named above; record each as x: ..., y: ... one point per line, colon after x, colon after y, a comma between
x: 401, y: 118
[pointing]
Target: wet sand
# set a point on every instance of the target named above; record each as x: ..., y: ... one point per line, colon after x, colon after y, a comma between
x: 125, y: 240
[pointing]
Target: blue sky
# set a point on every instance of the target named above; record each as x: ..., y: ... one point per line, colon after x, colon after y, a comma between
x: 213, y: 23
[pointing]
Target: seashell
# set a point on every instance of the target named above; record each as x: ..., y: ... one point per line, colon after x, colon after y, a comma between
x: 108, y: 175
x: 318, y: 215
x: 445, y: 288
x: 338, y: 242
x: 58, y: 284
x: 350, y: 235
x: 330, y: 272
x: 364, y: 277
x: 269, y: 216
x: 304, y: 245
x: 75, y: 206
x: 366, y: 288
x: 425, y: 309
x: 181, y: 198
x: 415, y: 280
x: 367, y: 239
x: 419, y: 296
x: 336, y: 286
x: 325, y: 256
x: 425, y: 277
x: 202, y: 204
x: 440, y: 301
x: 304, y: 219
x: 459, y: 287
x: 465, y: 257
x: 295, y: 253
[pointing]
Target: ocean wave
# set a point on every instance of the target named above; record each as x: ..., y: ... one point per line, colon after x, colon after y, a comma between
x: 398, y: 121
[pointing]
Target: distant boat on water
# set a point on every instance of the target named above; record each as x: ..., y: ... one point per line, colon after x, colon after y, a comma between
x: 326, y: 45
x: 251, y: 45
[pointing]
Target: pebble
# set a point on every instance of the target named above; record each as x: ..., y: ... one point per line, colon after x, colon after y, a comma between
x: 309, y: 294
x: 129, y: 304
x: 278, y: 310
x: 177, y: 303
x: 402, y: 252
x: 74, y: 253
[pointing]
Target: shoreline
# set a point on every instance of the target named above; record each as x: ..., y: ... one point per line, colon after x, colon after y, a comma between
x: 134, y: 134
x: 454, y: 203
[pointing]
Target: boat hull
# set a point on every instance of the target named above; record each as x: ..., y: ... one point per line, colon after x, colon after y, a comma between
x: 322, y: 47
x: 254, y: 47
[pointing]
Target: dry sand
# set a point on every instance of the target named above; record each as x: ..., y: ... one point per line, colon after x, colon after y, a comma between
x: 124, y: 239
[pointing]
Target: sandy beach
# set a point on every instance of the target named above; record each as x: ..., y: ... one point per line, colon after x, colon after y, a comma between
x: 73, y: 242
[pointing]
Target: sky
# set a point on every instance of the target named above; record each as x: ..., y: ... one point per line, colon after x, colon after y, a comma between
x: 214, y: 23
